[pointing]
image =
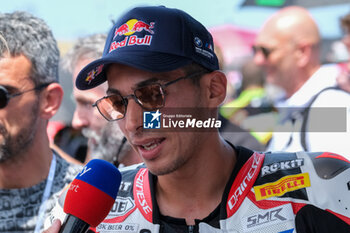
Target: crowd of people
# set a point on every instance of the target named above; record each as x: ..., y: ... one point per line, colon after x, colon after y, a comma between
x: 285, y: 158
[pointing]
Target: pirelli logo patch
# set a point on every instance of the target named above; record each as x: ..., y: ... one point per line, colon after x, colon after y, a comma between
x: 282, y: 186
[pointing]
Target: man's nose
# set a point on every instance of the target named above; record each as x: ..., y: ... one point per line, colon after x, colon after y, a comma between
x: 133, y: 117
x: 79, y: 120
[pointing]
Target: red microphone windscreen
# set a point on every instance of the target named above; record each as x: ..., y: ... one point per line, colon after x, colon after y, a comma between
x: 92, y: 193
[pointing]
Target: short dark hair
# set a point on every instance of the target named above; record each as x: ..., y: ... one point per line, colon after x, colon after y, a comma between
x: 195, y: 68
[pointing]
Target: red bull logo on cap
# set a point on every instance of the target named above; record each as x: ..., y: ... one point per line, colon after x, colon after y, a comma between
x: 129, y: 28
x: 132, y: 26
x: 93, y: 73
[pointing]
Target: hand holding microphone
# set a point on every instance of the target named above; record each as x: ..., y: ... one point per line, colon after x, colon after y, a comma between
x: 90, y: 197
x: 54, y: 228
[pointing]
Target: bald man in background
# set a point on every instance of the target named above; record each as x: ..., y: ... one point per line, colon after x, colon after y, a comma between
x: 288, y: 49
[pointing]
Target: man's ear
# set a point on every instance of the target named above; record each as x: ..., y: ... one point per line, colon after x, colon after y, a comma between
x: 304, y: 53
x: 216, y: 84
x: 51, y: 98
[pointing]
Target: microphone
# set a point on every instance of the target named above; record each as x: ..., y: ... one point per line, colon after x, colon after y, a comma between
x: 90, y: 196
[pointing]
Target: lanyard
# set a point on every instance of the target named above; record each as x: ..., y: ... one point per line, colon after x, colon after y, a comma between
x: 46, y: 194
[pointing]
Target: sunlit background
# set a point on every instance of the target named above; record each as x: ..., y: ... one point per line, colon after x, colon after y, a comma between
x: 234, y: 24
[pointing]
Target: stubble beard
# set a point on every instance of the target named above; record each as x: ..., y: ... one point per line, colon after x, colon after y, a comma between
x: 13, y: 146
x: 181, y: 158
x: 193, y: 144
x: 93, y: 139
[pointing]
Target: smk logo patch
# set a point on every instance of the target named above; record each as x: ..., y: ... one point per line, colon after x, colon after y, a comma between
x: 269, y: 217
x: 151, y: 120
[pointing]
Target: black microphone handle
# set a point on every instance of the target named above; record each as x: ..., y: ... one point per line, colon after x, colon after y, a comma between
x: 73, y: 224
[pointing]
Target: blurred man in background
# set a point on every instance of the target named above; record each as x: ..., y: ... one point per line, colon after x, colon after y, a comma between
x: 344, y: 77
x: 288, y: 48
x: 30, y: 171
x: 252, y: 103
x: 88, y: 119
x: 114, y: 147
x: 230, y: 130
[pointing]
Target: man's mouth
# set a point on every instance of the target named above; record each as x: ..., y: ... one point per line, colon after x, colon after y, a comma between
x: 153, y: 144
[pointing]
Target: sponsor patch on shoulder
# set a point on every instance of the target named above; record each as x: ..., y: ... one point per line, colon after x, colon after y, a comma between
x: 269, y: 217
x: 121, y: 207
x: 118, y: 227
x: 282, y: 186
x: 282, y: 165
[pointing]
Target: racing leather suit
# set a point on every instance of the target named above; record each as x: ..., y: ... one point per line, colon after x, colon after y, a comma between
x: 272, y: 192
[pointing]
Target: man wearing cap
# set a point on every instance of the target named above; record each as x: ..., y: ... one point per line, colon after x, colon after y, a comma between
x: 105, y: 140
x: 193, y: 180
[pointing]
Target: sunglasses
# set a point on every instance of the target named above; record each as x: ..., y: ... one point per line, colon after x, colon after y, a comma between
x: 265, y: 51
x: 150, y: 97
x: 5, y: 96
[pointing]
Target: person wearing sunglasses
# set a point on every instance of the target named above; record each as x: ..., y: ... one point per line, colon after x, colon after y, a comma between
x: 159, y: 59
x: 288, y: 48
x: 102, y: 142
x: 343, y: 78
x: 31, y: 173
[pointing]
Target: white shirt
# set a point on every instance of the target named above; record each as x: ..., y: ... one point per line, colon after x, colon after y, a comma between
x: 324, y: 116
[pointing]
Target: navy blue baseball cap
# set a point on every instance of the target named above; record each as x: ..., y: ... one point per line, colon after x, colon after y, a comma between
x: 155, y: 39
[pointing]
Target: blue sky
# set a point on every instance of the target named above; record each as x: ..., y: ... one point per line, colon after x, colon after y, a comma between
x: 70, y: 19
